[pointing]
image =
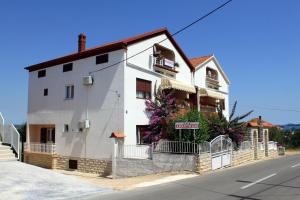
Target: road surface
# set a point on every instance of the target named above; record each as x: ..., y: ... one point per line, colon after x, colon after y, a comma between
x: 277, y: 179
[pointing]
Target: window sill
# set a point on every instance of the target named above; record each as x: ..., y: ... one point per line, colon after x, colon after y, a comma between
x: 68, y: 98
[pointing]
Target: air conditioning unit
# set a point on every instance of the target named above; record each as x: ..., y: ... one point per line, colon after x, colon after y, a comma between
x: 84, y: 124
x: 87, y: 80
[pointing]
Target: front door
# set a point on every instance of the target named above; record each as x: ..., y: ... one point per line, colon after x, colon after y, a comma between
x: 47, y: 135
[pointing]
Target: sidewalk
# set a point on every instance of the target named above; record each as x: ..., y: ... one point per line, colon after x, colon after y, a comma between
x: 129, y: 183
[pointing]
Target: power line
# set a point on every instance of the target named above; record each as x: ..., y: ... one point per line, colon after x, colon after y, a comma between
x: 275, y: 109
x: 176, y: 33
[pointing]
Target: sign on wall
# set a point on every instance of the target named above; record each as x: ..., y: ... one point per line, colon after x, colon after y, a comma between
x: 187, y: 125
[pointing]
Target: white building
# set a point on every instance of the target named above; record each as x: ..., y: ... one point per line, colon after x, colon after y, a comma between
x: 76, y: 102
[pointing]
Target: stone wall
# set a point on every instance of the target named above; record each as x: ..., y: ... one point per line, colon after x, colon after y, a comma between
x: 273, y: 153
x: 260, y: 154
x: 161, y: 162
x: 101, y: 167
x: 44, y: 160
x: 203, y: 163
x: 242, y: 156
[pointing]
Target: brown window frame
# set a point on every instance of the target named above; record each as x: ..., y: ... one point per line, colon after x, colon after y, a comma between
x: 68, y: 67
x: 139, y: 137
x: 100, y: 59
x: 143, y: 89
x: 42, y: 73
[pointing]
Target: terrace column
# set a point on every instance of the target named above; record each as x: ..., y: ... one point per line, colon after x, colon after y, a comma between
x: 255, y: 143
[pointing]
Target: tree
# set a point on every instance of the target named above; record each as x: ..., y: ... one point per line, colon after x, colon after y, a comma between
x: 276, y: 135
x: 233, y: 128
x: 201, y: 134
x: 159, y: 110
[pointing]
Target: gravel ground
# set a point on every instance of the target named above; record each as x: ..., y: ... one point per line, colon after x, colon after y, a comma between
x: 22, y: 181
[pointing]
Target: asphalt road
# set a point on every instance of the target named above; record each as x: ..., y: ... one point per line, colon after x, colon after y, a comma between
x: 266, y: 180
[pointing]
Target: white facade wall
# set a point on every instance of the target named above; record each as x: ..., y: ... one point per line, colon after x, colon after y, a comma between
x: 200, y: 81
x: 99, y: 103
x: 141, y: 66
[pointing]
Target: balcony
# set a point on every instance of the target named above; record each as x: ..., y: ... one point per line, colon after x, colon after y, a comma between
x: 212, y: 82
x: 164, y: 64
x: 48, y: 148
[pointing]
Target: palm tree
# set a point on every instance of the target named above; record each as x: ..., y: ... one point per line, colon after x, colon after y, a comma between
x: 232, y: 128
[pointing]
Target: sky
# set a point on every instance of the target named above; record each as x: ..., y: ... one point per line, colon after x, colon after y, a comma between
x: 256, y: 42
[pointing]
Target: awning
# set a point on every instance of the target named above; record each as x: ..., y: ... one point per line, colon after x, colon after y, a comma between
x: 117, y: 135
x: 210, y: 93
x: 177, y: 85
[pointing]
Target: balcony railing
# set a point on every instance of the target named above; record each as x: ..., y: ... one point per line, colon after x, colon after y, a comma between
x: 212, y: 83
x: 40, y: 147
x: 164, y: 64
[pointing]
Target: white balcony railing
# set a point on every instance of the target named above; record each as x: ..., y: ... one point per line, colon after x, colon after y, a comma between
x: 40, y: 148
x: 164, y: 62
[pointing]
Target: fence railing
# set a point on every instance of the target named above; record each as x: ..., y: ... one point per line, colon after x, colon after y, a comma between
x: 135, y: 151
x: 1, y: 127
x: 272, y: 145
x: 261, y: 146
x: 40, y: 147
x: 166, y: 146
x: 245, y: 145
x: 10, y: 135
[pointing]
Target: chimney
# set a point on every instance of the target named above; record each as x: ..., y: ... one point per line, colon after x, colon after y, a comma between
x: 81, y: 42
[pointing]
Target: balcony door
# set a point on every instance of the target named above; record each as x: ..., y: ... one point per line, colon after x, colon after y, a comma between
x: 47, y: 135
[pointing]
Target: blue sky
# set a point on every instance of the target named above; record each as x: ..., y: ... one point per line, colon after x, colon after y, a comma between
x: 257, y: 43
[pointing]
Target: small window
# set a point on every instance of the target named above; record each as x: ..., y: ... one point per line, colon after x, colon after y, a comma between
x: 141, y: 135
x: 69, y: 92
x: 73, y: 164
x: 101, y: 59
x: 68, y: 67
x: 143, y: 89
x: 41, y: 73
x: 66, y: 128
x: 46, y: 92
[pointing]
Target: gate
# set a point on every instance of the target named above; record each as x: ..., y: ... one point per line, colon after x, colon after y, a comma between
x: 221, y: 152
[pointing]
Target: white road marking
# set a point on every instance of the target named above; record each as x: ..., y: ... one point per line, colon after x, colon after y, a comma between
x: 295, y: 165
x: 260, y: 180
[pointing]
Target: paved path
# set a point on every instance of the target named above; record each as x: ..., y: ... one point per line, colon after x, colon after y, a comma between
x: 277, y: 179
x: 22, y: 181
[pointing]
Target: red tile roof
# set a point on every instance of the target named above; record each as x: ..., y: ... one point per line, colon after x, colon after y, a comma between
x: 254, y: 123
x: 117, y: 135
x: 113, y: 46
x: 198, y: 60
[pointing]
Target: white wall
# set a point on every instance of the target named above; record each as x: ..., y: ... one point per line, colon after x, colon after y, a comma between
x: 100, y: 100
x: 200, y: 81
x: 141, y: 67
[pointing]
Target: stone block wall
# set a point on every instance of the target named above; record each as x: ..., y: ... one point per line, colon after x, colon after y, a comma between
x: 101, y: 167
x: 273, y: 153
x: 161, y: 162
x: 44, y: 160
x: 260, y: 154
x: 203, y: 163
x: 242, y: 156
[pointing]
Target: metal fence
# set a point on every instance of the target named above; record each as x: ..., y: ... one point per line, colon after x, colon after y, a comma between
x: 10, y: 135
x: 40, y: 147
x: 272, y: 145
x: 135, y: 151
x: 245, y: 145
x: 261, y: 146
x: 180, y: 147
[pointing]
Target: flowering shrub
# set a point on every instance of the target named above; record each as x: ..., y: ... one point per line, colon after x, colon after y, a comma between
x: 159, y: 110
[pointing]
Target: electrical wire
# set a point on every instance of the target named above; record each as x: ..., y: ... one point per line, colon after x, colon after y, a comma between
x: 174, y: 34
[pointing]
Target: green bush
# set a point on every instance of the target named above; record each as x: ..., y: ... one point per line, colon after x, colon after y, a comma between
x: 201, y: 135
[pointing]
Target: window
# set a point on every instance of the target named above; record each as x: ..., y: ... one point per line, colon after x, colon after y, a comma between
x: 69, y: 92
x: 143, y: 89
x: 46, y: 92
x: 68, y: 67
x: 66, y: 128
x: 41, y: 73
x: 222, y: 104
x: 141, y: 131
x: 101, y: 59
x: 73, y: 164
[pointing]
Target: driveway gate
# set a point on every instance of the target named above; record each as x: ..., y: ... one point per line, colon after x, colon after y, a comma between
x: 221, y: 152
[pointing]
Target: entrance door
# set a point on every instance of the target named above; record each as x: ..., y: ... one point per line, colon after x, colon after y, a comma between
x: 47, y: 135
x: 221, y: 149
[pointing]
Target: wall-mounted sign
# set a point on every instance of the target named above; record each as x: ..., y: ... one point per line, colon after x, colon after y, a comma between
x: 187, y: 125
